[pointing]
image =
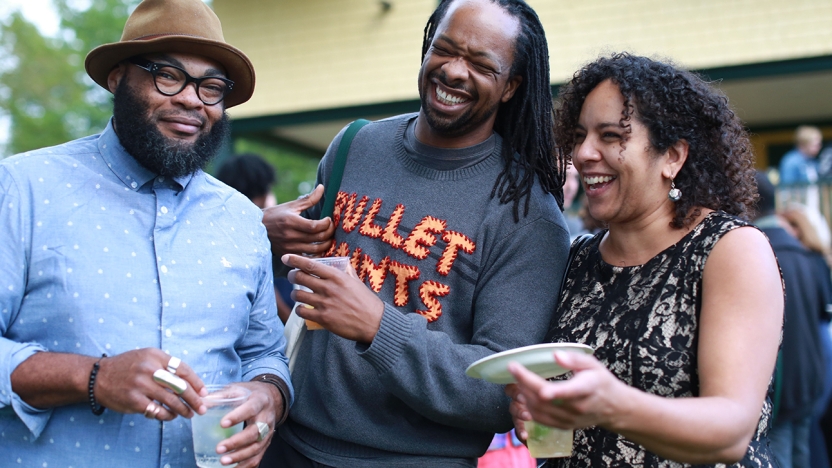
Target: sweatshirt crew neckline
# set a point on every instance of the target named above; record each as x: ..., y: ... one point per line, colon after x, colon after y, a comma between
x: 444, y: 163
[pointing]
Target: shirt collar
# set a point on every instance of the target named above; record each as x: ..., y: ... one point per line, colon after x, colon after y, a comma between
x: 132, y: 174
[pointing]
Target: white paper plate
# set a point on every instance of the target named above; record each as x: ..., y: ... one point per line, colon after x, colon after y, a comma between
x: 537, y: 358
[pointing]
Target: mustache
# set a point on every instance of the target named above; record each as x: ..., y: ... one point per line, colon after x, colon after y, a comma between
x: 442, y: 77
x: 194, y: 115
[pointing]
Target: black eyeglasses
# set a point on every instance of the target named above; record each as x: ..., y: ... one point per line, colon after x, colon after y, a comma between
x: 170, y: 80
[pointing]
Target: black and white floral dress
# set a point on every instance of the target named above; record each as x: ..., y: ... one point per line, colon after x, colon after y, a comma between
x: 643, y: 322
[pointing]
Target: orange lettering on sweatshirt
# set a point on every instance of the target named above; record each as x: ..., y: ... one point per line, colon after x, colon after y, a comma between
x: 428, y: 292
x: 353, y: 213
x: 375, y: 274
x: 343, y: 250
x: 456, y: 241
x: 423, y: 235
x: 331, y: 251
x: 391, y: 234
x: 355, y: 261
x: 404, y: 275
x: 340, y: 204
x: 369, y: 228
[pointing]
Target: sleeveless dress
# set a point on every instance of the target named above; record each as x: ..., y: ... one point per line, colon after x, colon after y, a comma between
x: 643, y: 323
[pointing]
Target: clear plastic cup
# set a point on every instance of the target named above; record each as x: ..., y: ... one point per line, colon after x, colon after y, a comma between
x: 341, y: 263
x: 206, y: 429
x: 548, y: 442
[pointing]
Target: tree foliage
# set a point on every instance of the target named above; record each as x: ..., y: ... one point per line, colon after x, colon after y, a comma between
x: 44, y: 89
x: 49, y: 99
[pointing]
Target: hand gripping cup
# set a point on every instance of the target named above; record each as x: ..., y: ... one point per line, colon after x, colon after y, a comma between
x: 207, y: 432
x: 548, y: 442
x: 543, y: 441
x: 341, y: 263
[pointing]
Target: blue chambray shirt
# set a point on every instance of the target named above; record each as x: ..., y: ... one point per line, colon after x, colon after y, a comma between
x: 98, y: 255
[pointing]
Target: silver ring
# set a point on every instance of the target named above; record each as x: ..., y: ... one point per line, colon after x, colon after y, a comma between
x: 173, y: 364
x: 151, y: 411
x: 263, y: 430
x: 171, y: 381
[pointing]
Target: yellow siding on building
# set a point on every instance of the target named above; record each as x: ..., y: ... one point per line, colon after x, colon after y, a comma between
x: 694, y: 33
x: 315, y: 54
x: 320, y: 54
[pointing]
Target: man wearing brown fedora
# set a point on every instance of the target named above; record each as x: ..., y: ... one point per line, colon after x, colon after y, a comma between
x: 131, y: 281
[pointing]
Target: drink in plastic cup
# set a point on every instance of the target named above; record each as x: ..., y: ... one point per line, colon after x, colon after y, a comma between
x: 548, y: 442
x: 207, y: 432
x: 341, y: 263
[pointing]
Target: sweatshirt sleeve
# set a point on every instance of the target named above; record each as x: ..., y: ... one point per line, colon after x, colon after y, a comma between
x: 517, y: 294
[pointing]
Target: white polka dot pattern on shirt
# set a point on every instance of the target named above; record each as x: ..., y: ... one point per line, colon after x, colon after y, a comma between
x: 111, y: 246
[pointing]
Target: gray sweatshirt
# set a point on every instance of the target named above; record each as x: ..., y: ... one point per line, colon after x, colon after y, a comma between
x: 460, y: 280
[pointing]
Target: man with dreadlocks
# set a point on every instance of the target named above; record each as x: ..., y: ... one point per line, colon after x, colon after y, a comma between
x: 451, y: 218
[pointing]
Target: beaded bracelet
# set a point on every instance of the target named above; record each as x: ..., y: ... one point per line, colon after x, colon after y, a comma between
x: 96, y: 408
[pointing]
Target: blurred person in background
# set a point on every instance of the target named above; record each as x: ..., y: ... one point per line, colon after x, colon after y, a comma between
x: 254, y: 177
x: 825, y: 163
x: 800, y: 223
x: 250, y: 175
x: 680, y: 296
x: 571, y: 210
x: 810, y: 227
x: 590, y: 224
x: 800, y: 165
x: 801, y: 367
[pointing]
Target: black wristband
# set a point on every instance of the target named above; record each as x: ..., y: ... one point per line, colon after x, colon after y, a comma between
x: 95, y: 407
x: 284, y: 392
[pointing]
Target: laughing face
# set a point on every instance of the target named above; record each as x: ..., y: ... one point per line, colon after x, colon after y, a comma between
x: 625, y: 179
x: 466, y: 74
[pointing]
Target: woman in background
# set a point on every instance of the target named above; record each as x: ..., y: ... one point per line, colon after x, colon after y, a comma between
x: 680, y: 297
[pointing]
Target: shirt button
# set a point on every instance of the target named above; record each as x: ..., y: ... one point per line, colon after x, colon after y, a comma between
x: 164, y: 210
x: 134, y: 185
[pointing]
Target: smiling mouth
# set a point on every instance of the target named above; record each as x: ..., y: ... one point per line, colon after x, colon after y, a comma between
x: 447, y: 98
x: 597, y: 181
x: 183, y: 126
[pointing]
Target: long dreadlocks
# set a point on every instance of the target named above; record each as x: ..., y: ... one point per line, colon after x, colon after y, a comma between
x: 524, y: 122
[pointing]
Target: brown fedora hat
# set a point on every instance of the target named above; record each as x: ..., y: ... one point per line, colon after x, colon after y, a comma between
x: 182, y: 26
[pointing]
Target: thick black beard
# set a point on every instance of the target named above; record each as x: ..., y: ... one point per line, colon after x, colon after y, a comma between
x: 462, y: 125
x: 158, y: 153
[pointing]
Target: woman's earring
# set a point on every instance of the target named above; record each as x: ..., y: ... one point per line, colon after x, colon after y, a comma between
x: 674, y: 194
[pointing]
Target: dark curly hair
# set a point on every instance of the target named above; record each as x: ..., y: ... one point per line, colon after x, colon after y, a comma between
x: 525, y: 121
x: 248, y: 173
x: 674, y: 105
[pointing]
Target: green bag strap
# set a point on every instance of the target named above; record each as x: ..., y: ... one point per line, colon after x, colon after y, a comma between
x: 338, y: 167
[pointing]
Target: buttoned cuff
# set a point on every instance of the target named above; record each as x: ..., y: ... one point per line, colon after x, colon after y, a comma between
x: 13, y: 354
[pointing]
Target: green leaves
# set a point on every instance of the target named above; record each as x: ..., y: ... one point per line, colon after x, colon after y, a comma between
x: 43, y: 86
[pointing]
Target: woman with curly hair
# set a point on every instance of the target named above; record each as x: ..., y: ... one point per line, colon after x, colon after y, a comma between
x: 680, y: 296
